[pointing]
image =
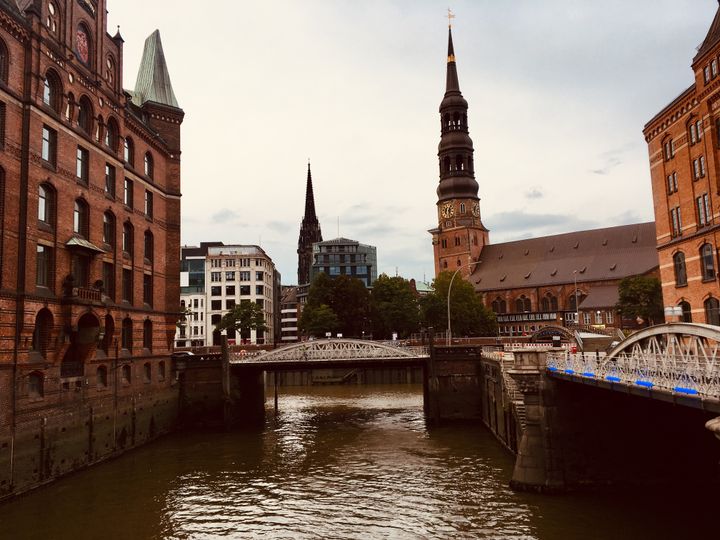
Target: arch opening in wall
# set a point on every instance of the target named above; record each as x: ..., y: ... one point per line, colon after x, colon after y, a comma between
x: 42, y: 333
x: 83, y: 342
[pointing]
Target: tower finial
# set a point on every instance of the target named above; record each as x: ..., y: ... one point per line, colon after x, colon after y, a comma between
x: 451, y: 16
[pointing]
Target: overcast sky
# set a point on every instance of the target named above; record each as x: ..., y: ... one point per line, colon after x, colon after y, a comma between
x: 559, y: 91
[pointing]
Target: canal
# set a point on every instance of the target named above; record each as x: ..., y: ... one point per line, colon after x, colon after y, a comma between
x: 338, y: 462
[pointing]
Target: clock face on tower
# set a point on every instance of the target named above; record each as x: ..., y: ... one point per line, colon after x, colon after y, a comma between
x: 447, y: 211
x: 476, y: 210
x: 82, y: 45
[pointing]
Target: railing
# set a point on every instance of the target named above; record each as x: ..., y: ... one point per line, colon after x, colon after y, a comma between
x: 91, y: 295
x: 677, y: 374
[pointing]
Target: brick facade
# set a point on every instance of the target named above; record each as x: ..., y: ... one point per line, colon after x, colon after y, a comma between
x: 65, y: 122
x: 684, y: 150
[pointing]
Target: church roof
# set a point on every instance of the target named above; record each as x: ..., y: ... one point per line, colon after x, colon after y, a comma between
x: 153, y: 80
x: 712, y: 38
x: 595, y: 255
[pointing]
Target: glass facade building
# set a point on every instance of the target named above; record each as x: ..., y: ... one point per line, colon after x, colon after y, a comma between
x: 344, y: 257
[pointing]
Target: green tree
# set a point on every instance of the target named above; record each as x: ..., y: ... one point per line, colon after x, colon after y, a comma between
x: 317, y: 320
x: 244, y: 317
x: 641, y: 296
x: 468, y: 315
x: 393, y: 308
x: 346, y: 297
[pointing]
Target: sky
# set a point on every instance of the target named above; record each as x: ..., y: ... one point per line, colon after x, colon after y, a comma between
x: 558, y: 90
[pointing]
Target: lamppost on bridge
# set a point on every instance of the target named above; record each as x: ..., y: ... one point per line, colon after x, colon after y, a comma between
x: 577, y: 308
x: 449, y: 330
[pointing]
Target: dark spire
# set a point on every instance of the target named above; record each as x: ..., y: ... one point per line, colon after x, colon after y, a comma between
x: 310, y: 233
x: 452, y: 84
x: 309, y: 197
x: 712, y: 38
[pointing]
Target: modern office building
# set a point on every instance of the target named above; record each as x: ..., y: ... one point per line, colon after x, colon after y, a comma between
x: 343, y: 257
x: 289, y: 315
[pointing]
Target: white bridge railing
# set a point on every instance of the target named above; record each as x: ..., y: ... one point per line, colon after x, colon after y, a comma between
x: 679, y: 374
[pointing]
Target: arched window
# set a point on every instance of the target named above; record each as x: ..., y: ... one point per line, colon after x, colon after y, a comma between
x: 545, y: 303
x: 499, y: 305
x: 46, y: 204
x: 127, y: 238
x: 42, y: 332
x: 680, y: 269
x: 110, y: 70
x: 161, y: 370
x: 149, y: 165
x: 686, y: 311
x: 147, y: 334
x: 81, y: 218
x: 70, y: 107
x: 85, y: 115
x: 52, y: 91
x: 462, y: 208
x: 126, y: 374
x: 52, y: 21
x: 456, y: 119
x: 446, y: 163
x: 111, y: 134
x: 147, y: 372
x: 36, y: 384
x: 126, y: 337
x: 522, y: 304
x: 102, y: 380
x: 129, y: 151
x: 572, y: 305
x: 707, y: 260
x: 459, y: 164
x: 446, y: 120
x: 83, y: 44
x: 109, y: 228
x: 712, y: 311
x: 149, y: 246
x: 4, y: 62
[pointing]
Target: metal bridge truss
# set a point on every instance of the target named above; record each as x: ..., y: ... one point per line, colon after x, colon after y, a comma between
x: 332, y: 350
x: 680, y: 358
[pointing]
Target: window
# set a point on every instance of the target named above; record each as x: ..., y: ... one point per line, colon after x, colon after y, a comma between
x: 680, y: 269
x: 244, y: 290
x: 49, y: 145
x: 148, y: 204
x: 128, y: 192
x: 81, y: 218
x: 127, y: 238
x: 52, y: 91
x: 499, y: 306
x: 109, y: 279
x: 149, y: 165
x: 149, y: 246
x: 704, y: 214
x: 161, y: 370
x: 85, y: 115
x: 80, y: 269
x: 229, y: 276
x: 215, y: 305
x: 101, y: 377
x: 83, y: 165
x: 110, y: 70
x: 215, y: 276
x: 43, y: 265
x: 244, y: 276
x: 686, y: 311
x: 675, y: 222
x: 109, y: 180
x: 36, y: 384
x: 672, y: 183
x: 668, y: 149
x: 712, y: 311
x: 713, y: 68
x: 522, y: 304
x: 2, y: 124
x: 230, y: 262
x: 148, y: 289
x: 706, y: 74
x: 462, y: 208
x: 125, y: 372
x: 46, y: 204
x: 230, y: 304
x: 215, y: 290
x: 127, y: 285
x: 129, y: 151
x: 259, y: 290
x: 695, y: 131
x: 259, y: 276
x: 4, y: 58
x: 147, y: 334
x: 216, y: 263
x: 707, y: 261
x: 109, y: 229
x: 586, y: 318
x: 230, y: 290
x: 610, y: 317
x: 111, y: 135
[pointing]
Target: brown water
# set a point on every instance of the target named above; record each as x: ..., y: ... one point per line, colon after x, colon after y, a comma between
x: 338, y: 462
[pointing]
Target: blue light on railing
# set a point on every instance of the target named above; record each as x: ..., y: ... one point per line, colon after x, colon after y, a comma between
x: 570, y: 371
x: 645, y: 384
x: 552, y: 368
x: 612, y: 378
x: 689, y: 391
x: 588, y: 374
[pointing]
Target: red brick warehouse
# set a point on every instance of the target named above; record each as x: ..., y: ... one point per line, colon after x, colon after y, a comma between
x: 90, y: 211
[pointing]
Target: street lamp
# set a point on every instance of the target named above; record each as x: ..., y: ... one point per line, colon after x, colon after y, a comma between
x: 577, y: 308
x: 449, y: 331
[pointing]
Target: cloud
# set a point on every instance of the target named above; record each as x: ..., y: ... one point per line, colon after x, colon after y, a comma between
x: 279, y: 226
x: 515, y: 225
x: 534, y: 193
x: 612, y: 159
x: 225, y: 215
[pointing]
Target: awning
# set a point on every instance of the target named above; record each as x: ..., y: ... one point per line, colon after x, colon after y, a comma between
x: 80, y: 243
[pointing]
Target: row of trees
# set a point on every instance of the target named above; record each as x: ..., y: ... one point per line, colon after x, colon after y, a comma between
x: 343, y: 305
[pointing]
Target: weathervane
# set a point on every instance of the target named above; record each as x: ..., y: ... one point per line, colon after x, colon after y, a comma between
x: 450, y: 17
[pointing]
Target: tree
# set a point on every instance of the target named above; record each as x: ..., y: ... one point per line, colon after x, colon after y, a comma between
x: 641, y: 296
x: 393, y: 308
x: 244, y: 317
x: 468, y: 314
x: 345, y: 296
x: 318, y: 320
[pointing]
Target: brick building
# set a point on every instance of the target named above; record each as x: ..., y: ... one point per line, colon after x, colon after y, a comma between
x: 684, y: 146
x: 568, y: 279
x: 90, y: 217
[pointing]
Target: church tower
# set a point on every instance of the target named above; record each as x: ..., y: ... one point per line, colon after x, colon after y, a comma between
x: 309, y: 234
x: 460, y: 234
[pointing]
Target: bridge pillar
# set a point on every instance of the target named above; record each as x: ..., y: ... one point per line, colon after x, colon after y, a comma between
x: 538, y: 466
x: 453, y: 384
x: 243, y: 392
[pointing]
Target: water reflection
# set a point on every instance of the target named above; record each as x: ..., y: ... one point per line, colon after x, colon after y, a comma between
x: 336, y: 462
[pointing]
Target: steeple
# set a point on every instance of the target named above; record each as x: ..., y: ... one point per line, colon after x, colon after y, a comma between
x: 153, y: 80
x: 310, y: 233
x: 713, y: 36
x: 452, y: 84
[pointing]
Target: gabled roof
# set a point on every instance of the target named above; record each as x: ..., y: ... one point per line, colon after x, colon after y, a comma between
x: 153, y: 80
x: 597, y: 255
x: 712, y: 38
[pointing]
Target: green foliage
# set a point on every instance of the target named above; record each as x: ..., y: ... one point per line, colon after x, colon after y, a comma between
x: 244, y: 317
x: 345, y: 296
x: 468, y: 315
x: 393, y: 308
x: 641, y: 296
x: 317, y: 320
